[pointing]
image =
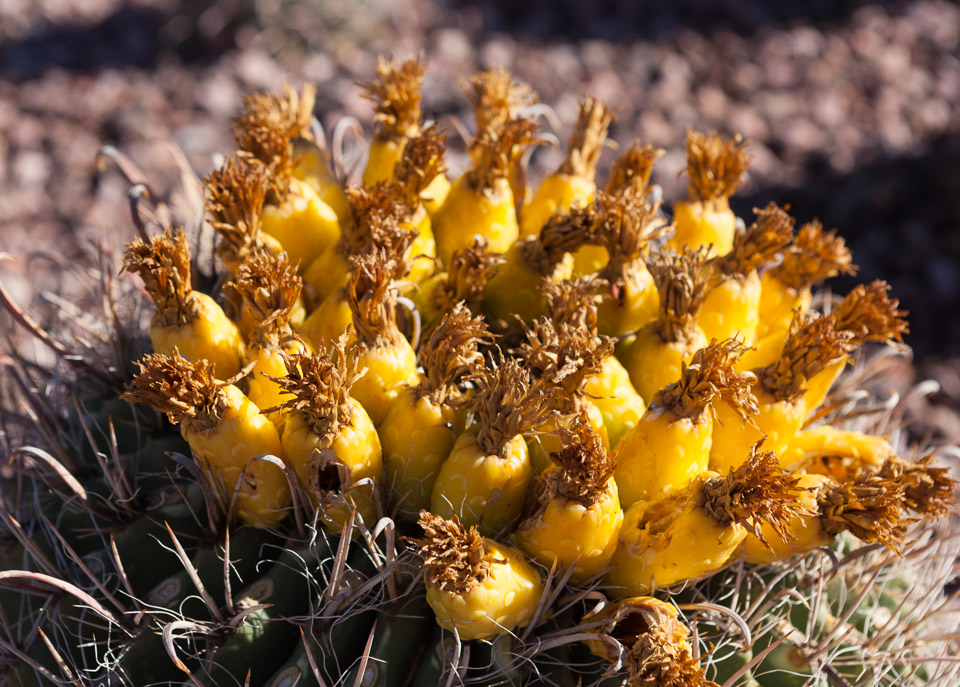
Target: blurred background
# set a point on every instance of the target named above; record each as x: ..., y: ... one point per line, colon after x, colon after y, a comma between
x: 852, y: 109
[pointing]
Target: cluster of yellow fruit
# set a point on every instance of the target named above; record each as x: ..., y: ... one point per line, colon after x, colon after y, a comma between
x: 629, y: 400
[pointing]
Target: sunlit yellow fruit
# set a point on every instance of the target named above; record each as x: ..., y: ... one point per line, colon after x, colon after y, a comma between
x: 211, y: 335
x: 303, y: 224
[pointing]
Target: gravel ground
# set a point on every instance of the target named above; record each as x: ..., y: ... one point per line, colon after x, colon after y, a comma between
x: 852, y: 108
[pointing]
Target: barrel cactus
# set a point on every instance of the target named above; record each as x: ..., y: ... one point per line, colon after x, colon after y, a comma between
x: 398, y: 428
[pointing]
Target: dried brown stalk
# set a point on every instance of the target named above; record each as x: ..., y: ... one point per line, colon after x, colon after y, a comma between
x: 496, y: 98
x: 180, y: 389
x: 870, y: 506
x: 269, y: 288
x: 715, y: 165
x: 813, y: 342
x: 869, y: 314
x: 631, y: 171
x: 396, y: 93
x: 235, y: 196
x: 711, y: 375
x: 757, y: 492
x: 163, y: 263
x: 450, y: 354
x: 682, y: 280
x: 454, y: 558
x: 759, y: 245
x: 816, y: 255
x: 507, y: 402
x: 586, y: 142
x: 585, y: 465
x: 467, y: 274
x: 320, y: 385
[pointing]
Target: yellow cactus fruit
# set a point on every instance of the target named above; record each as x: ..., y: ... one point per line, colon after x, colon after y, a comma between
x: 656, y: 642
x: 327, y: 435
x: 577, y: 516
x: 715, y: 167
x: 497, y: 97
x: 574, y: 181
x: 464, y: 279
x: 515, y: 293
x: 269, y: 290
x: 812, y: 344
x: 867, y: 313
x: 396, y: 94
x: 186, y: 320
x: 694, y: 531
x: 388, y: 358
x: 822, y: 448
x: 670, y: 445
x: 814, y: 256
x: 485, y: 478
x: 312, y: 167
x: 421, y: 426
x: 481, y: 202
x: 573, y: 303
x: 654, y: 355
x: 294, y: 214
x: 626, y: 224
x: 420, y: 164
x: 871, y: 506
x: 225, y: 431
x: 375, y: 229
x: 732, y: 307
x: 475, y: 586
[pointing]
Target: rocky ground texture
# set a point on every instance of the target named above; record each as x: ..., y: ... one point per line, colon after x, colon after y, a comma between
x: 852, y: 109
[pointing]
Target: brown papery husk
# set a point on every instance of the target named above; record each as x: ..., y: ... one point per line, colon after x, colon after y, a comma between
x: 630, y: 173
x: 757, y: 492
x: 870, y: 506
x: 683, y: 282
x: 494, y: 151
x: 180, y: 389
x: 564, y: 355
x: 269, y: 287
x: 450, y: 354
x: 626, y: 224
x: 506, y: 402
x: 710, y: 375
x: 927, y: 489
x: 661, y: 658
x: 266, y: 128
x: 816, y: 255
x: 563, y: 233
x: 320, y: 386
x: 869, y: 314
x: 235, y: 195
x: 586, y: 467
x: 587, y: 139
x: 573, y: 302
x: 813, y: 342
x: 420, y: 163
x: 454, y: 558
x: 715, y: 165
x: 759, y: 245
x: 656, y: 642
x: 467, y: 274
x: 497, y: 97
x: 396, y: 94
x: 372, y: 293
x: 163, y: 263
x: 376, y: 215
